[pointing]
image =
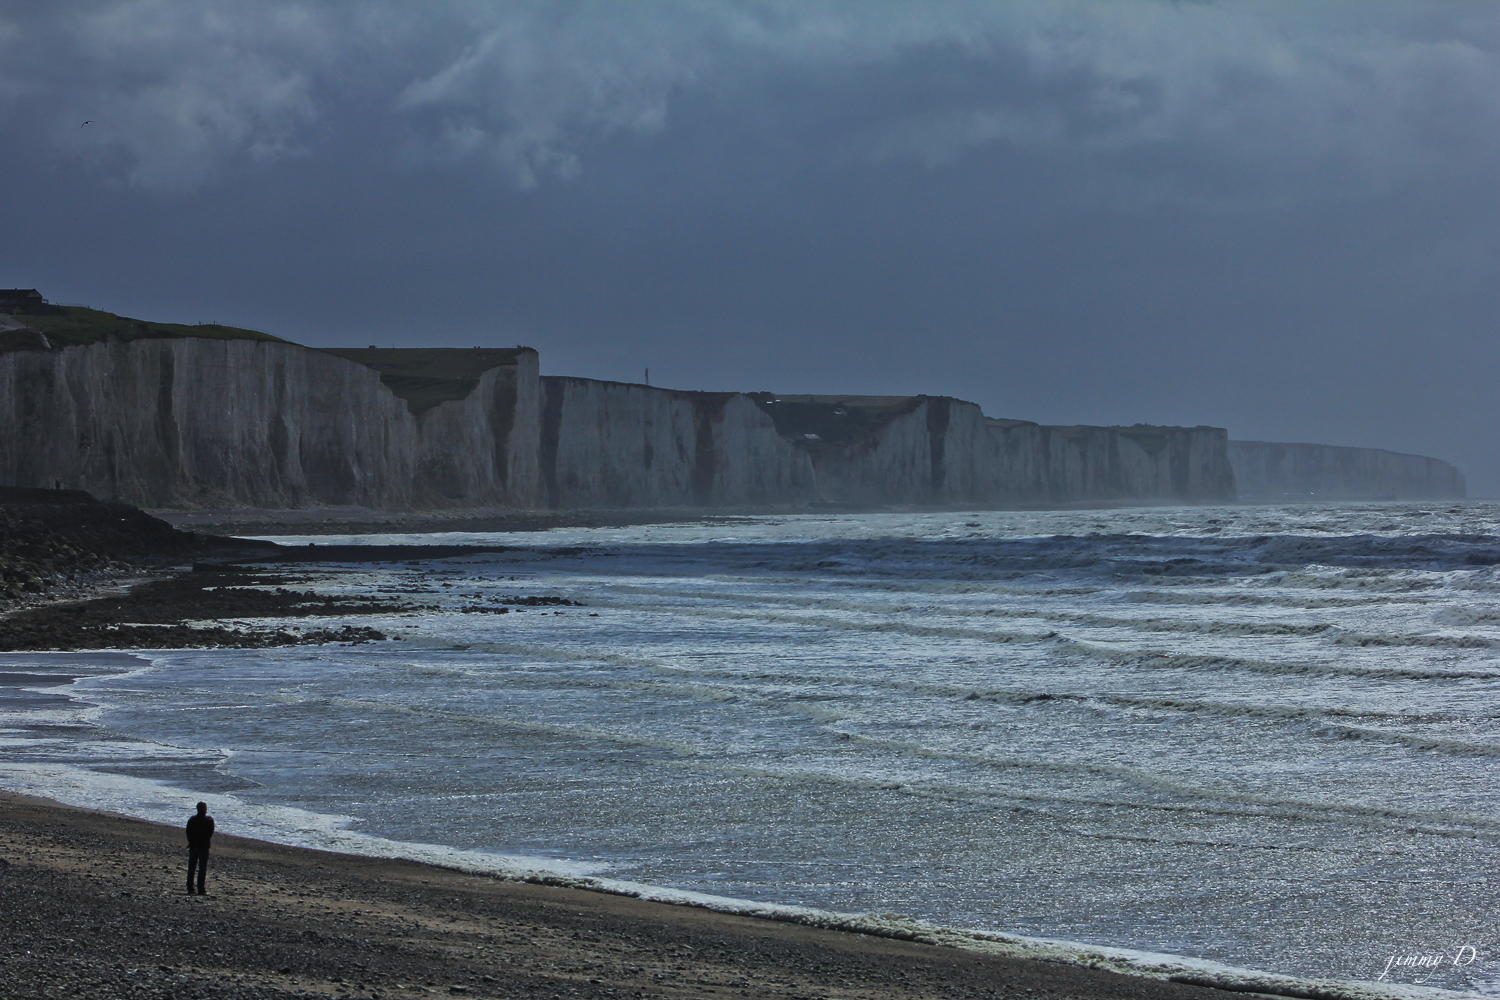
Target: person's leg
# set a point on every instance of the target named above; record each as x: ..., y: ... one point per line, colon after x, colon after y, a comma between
x: 197, y: 861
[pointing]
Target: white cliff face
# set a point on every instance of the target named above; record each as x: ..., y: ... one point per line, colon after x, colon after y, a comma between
x: 609, y: 444
x: 1270, y: 471
x: 613, y: 444
x: 200, y: 421
x: 944, y: 451
x: 1071, y: 464
x: 482, y: 450
x: 752, y: 464
x: 892, y: 465
x: 197, y: 420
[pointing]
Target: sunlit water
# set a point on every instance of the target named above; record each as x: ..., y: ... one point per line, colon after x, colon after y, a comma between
x: 1264, y: 736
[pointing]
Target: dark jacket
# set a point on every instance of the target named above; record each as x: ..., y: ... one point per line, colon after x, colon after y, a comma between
x: 200, y: 830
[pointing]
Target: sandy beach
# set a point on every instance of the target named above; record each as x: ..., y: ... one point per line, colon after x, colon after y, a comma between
x: 95, y: 907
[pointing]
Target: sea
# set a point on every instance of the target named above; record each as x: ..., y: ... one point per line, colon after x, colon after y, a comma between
x: 1239, y: 741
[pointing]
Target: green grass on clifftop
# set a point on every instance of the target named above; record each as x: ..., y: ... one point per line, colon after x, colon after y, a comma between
x: 425, y: 377
x: 71, y: 325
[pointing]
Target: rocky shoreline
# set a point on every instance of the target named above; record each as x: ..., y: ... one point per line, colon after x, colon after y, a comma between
x: 83, y: 574
x: 65, y: 540
x: 365, y: 521
x: 156, y: 615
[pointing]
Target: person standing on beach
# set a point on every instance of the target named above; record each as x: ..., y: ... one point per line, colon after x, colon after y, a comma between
x: 200, y: 830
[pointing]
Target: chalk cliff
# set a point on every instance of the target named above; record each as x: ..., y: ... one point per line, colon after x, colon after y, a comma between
x: 476, y: 418
x: 163, y: 415
x: 1267, y: 470
x: 867, y: 449
x: 940, y: 450
x: 169, y: 418
x: 203, y: 421
x: 194, y: 420
x: 613, y: 444
x: 1034, y: 462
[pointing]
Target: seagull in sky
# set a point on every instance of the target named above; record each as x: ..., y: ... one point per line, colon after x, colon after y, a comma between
x: 89, y: 122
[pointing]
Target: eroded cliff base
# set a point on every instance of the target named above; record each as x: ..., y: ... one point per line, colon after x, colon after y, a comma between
x: 359, y: 521
x: 260, y: 521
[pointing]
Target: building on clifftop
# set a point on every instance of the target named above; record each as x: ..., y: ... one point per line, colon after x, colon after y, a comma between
x: 14, y: 300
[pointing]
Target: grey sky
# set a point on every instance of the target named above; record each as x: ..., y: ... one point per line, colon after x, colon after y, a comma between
x: 1280, y: 218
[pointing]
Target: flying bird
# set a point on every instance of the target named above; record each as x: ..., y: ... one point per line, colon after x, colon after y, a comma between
x: 89, y: 122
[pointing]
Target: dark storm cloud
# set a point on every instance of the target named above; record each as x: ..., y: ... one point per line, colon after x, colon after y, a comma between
x: 1277, y: 217
x: 1359, y: 95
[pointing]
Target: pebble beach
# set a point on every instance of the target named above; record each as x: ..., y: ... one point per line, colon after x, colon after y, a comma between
x: 95, y: 907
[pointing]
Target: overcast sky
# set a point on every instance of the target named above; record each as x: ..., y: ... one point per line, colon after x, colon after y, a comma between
x: 1281, y: 218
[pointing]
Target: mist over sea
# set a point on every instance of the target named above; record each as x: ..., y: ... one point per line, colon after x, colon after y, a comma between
x: 1263, y: 736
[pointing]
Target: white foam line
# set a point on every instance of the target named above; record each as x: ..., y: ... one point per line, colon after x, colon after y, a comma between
x: 1151, y: 965
x: 153, y: 800
x: 149, y: 799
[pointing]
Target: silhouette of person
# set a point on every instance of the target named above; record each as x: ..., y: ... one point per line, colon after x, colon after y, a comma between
x: 200, y: 830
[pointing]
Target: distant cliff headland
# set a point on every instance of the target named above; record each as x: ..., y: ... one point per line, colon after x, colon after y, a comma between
x: 1267, y: 470
x: 210, y: 416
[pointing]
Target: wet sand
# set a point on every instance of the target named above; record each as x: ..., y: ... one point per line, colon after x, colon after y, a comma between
x: 94, y: 906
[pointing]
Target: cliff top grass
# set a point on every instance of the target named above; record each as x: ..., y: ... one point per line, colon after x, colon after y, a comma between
x: 66, y: 326
x: 822, y: 421
x: 427, y: 376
